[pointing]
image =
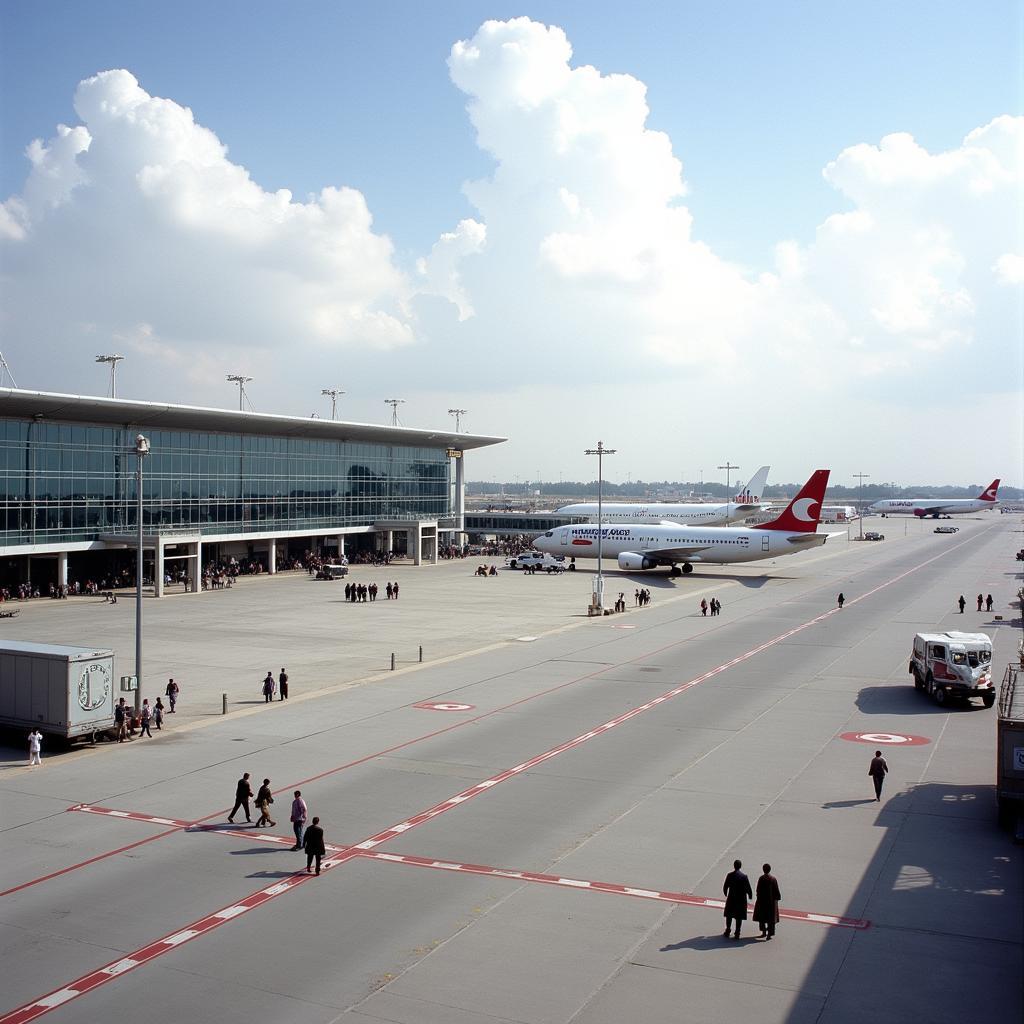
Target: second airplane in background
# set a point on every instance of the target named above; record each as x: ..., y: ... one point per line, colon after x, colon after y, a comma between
x: 649, y: 545
x: 746, y: 503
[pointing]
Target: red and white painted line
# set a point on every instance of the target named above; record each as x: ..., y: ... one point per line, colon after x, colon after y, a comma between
x: 894, y: 739
x: 683, y: 898
x: 106, y: 974
x: 130, y: 815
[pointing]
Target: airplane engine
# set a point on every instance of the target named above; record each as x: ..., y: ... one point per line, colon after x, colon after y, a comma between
x: 921, y: 513
x: 630, y: 560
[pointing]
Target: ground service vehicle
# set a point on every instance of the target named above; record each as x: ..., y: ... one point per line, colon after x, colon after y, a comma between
x: 62, y: 691
x: 953, y: 665
x: 946, y: 529
x: 874, y: 535
x: 539, y: 560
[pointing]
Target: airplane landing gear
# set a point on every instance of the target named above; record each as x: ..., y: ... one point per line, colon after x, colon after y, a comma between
x: 676, y: 571
x: 687, y: 568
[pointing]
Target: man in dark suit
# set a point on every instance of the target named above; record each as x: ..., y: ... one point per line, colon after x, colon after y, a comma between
x: 878, y: 770
x: 313, y: 843
x: 766, y: 906
x: 243, y: 794
x: 737, y: 891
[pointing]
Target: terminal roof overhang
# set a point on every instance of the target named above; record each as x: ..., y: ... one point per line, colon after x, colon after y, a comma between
x: 118, y: 412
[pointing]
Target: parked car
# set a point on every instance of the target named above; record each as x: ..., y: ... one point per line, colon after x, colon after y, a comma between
x: 874, y: 535
x: 946, y: 529
x: 538, y: 560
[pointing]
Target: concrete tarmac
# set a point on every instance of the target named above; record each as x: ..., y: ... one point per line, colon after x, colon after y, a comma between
x: 550, y: 845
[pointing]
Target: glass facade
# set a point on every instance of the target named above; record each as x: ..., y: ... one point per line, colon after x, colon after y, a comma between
x: 71, y: 482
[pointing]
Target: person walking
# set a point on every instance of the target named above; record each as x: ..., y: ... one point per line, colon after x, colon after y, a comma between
x: 988, y: 603
x: 172, y: 695
x: 703, y: 607
x: 841, y: 600
x: 158, y: 714
x: 264, y: 798
x: 394, y: 589
x: 878, y: 769
x: 718, y: 606
x: 144, y: 717
x: 268, y: 688
x: 119, y: 720
x: 35, y: 747
x: 962, y: 603
x: 299, y: 812
x: 766, y: 902
x: 736, y: 888
x: 981, y: 601
x: 282, y: 684
x: 314, y: 845
x: 243, y: 794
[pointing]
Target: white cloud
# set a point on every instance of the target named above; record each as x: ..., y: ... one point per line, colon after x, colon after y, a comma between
x: 138, y: 215
x: 1009, y: 268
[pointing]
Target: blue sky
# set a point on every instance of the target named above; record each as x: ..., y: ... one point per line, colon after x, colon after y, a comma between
x: 756, y: 100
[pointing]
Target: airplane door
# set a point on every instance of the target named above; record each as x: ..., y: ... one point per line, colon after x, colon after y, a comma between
x: 564, y: 539
x: 765, y: 541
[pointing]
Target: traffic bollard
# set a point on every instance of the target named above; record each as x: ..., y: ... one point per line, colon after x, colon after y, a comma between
x: 392, y: 661
x: 223, y: 703
x: 421, y: 652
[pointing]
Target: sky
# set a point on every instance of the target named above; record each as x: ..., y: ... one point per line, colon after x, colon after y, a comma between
x: 703, y: 233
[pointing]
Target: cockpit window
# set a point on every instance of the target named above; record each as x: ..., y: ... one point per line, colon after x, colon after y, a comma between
x: 549, y: 534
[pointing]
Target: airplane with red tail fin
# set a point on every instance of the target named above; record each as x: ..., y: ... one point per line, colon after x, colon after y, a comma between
x: 650, y: 545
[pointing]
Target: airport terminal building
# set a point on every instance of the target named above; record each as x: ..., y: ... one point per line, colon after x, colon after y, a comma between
x: 216, y: 484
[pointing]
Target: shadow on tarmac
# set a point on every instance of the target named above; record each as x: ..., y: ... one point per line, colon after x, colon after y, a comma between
x: 707, y: 942
x: 899, y: 700
x: 835, y: 804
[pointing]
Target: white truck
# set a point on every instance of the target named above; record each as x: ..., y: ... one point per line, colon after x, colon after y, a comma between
x: 953, y: 665
x: 539, y: 561
x: 62, y: 691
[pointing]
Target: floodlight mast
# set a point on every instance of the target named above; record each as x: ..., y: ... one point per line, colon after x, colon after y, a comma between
x: 728, y: 467
x: 394, y: 403
x: 113, y: 360
x: 861, y: 477
x: 6, y: 369
x: 458, y: 414
x: 332, y: 394
x: 241, y: 380
x: 600, y: 451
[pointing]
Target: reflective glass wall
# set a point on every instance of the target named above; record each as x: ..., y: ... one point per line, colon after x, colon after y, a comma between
x: 70, y: 482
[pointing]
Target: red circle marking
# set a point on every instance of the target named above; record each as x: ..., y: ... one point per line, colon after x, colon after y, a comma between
x: 429, y: 706
x: 892, y: 739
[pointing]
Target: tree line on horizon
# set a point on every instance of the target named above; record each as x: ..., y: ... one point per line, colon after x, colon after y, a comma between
x: 653, y: 489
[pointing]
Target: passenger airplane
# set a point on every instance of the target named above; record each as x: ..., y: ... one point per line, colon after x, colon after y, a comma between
x: 746, y: 503
x: 936, y: 507
x: 647, y: 545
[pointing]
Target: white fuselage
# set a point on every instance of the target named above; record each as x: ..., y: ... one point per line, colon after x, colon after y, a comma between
x: 669, y: 544
x: 931, y: 506
x: 690, y: 514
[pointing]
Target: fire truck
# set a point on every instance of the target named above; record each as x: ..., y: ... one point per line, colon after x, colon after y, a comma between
x: 953, y: 665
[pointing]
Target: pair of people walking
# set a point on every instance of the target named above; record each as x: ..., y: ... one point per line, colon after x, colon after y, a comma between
x: 243, y: 794
x: 766, y: 902
x: 311, y: 839
x: 270, y: 687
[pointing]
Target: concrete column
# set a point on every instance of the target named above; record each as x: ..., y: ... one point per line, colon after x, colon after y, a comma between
x: 272, y: 557
x: 62, y: 568
x: 341, y: 546
x: 460, y: 500
x: 158, y: 568
x: 388, y: 541
x: 197, y: 563
x: 416, y: 544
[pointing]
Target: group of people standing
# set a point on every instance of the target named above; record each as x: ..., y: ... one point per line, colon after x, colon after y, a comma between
x: 359, y: 592
x: 714, y: 606
x: 986, y: 601
x: 270, y: 687
x: 766, y: 902
x: 642, y: 597
x: 310, y: 839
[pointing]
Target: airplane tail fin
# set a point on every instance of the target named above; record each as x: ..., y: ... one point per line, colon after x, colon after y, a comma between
x: 801, y: 515
x: 751, y: 494
x: 989, y: 494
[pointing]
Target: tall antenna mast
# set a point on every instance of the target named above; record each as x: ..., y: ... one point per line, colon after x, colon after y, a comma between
x: 5, y: 368
x: 113, y: 360
x: 394, y: 403
x: 241, y: 381
x: 458, y: 414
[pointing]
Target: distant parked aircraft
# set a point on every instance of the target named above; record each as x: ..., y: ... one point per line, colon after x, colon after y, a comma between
x: 936, y: 507
x: 746, y: 502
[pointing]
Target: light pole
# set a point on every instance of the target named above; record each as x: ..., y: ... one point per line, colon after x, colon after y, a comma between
x: 113, y: 360
x: 141, y: 451
x: 241, y: 381
x: 861, y: 477
x: 332, y: 394
x: 728, y: 467
x: 458, y: 414
x: 394, y: 403
x: 600, y: 451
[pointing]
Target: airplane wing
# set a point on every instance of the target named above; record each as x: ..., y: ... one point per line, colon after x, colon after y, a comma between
x: 677, y: 554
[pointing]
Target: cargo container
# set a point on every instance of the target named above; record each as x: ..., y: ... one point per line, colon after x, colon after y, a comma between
x: 62, y: 691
